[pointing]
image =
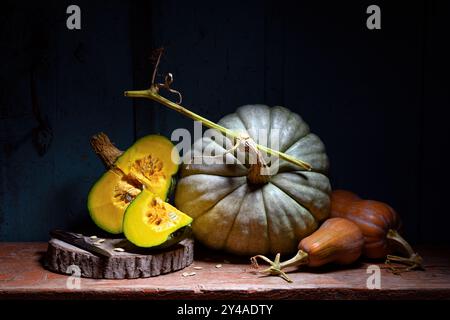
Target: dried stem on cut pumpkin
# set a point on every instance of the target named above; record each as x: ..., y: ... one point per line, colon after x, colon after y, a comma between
x: 412, y: 262
x: 105, y: 149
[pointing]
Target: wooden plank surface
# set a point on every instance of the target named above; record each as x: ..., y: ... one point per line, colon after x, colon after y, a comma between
x: 22, y: 276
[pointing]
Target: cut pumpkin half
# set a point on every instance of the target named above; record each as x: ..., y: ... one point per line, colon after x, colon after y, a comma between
x: 149, y: 221
x: 148, y: 164
x: 152, y: 161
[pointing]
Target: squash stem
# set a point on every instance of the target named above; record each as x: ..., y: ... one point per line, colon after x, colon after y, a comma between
x: 276, y: 268
x: 299, y: 259
x: 413, y: 261
x: 153, y: 94
x: 105, y: 149
x: 394, y: 236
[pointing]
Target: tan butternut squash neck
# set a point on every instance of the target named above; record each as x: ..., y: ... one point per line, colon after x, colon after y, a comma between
x: 301, y: 258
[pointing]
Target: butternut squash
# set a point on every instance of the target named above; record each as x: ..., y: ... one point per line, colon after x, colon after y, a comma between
x: 337, y: 241
x: 379, y: 224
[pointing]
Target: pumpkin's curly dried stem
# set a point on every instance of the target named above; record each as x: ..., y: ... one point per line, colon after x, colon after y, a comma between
x: 276, y: 268
x: 412, y: 262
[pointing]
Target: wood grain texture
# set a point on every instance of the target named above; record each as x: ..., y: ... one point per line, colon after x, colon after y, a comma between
x: 121, y: 265
x: 22, y: 276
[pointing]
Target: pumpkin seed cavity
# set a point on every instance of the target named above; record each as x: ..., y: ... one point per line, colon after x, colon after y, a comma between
x: 148, y: 168
x: 158, y: 217
x: 144, y: 170
x: 125, y: 192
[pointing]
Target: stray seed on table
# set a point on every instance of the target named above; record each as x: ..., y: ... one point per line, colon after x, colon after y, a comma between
x: 198, y: 268
x: 119, y: 249
x: 188, y: 274
x: 93, y: 237
x: 218, y: 266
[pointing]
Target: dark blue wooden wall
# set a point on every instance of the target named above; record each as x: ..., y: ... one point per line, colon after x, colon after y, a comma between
x: 376, y: 98
x: 80, y: 77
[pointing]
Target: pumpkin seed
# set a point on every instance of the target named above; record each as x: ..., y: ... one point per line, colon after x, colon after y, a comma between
x: 172, y: 215
x: 188, y: 274
x: 93, y: 237
x: 218, y: 266
x: 119, y: 249
x: 198, y: 268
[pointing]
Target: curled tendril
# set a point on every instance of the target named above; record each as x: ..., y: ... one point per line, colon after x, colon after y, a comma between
x: 168, y: 80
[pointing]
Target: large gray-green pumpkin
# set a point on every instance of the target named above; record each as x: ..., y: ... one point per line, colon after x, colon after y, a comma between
x: 232, y: 214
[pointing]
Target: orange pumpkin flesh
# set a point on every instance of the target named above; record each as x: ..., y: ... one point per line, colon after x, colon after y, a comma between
x: 337, y: 241
x: 379, y: 224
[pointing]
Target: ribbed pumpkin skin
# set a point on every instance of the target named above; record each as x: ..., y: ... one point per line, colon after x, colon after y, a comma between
x: 232, y: 215
x: 374, y: 218
x: 337, y: 240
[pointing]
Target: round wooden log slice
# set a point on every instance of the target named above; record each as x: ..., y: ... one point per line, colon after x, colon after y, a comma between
x: 65, y: 258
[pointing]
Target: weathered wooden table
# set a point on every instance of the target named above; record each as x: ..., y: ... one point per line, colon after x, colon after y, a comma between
x: 22, y: 276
